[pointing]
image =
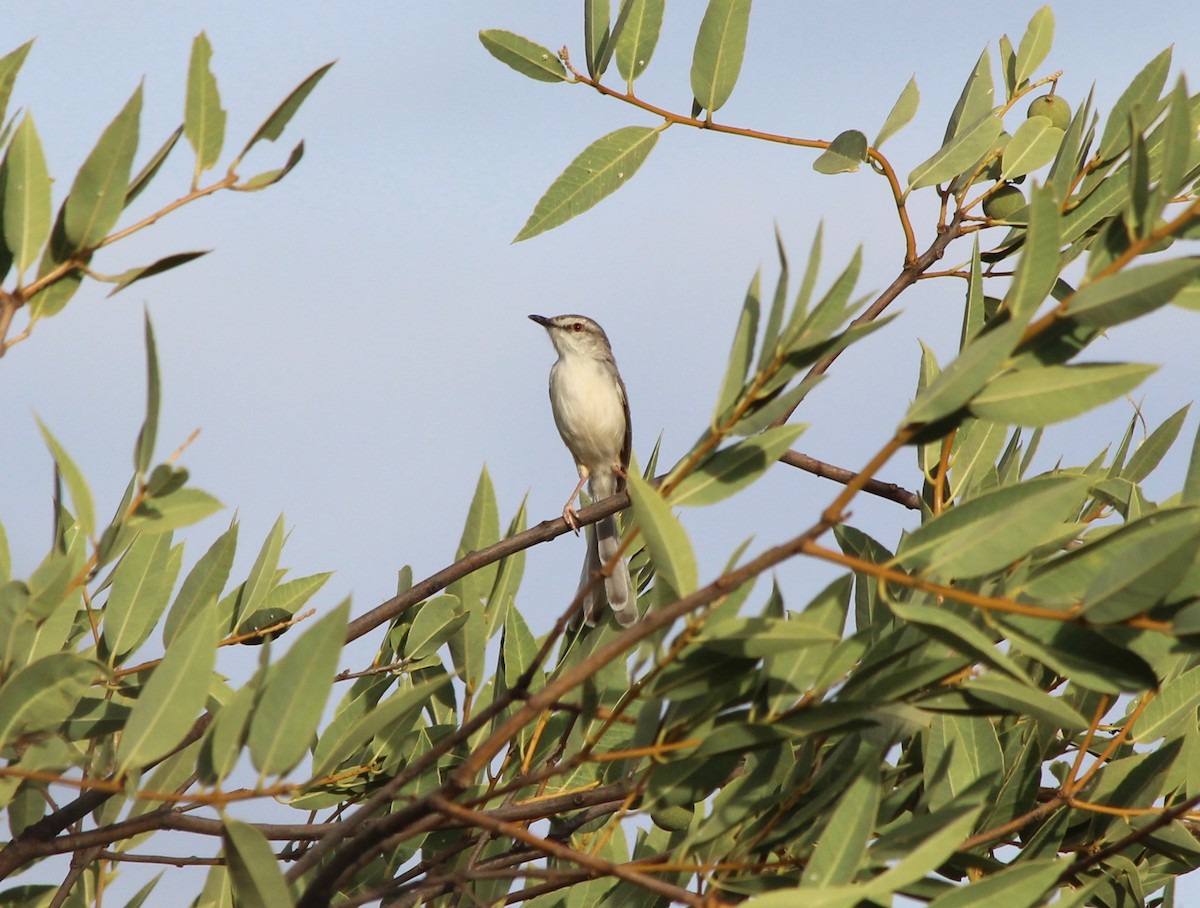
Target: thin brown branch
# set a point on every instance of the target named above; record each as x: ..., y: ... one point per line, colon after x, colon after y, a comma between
x: 878, y: 488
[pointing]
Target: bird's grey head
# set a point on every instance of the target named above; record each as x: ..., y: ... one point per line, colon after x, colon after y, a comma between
x: 575, y: 334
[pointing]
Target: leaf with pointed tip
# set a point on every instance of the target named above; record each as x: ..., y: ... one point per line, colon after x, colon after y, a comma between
x: 596, y: 50
x: 599, y: 170
x: 742, y: 351
x: 957, y: 154
x: 1150, y: 452
x: 1038, y: 397
x: 174, y: 696
x: 637, y: 39
x: 1039, y: 266
x: 180, y: 508
x: 81, y: 497
x: 254, y: 868
x: 976, y: 99
x: 1132, y: 292
x: 720, y: 47
x: 151, y: 168
x: 733, y: 468
x: 1033, y: 145
x: 1035, y: 44
x: 901, y: 113
x: 203, y: 118
x: 1019, y: 885
x: 844, y: 155
x: 25, y: 189
x: 1141, y: 94
x: 98, y: 193
x: 141, y: 587
x: 272, y: 128
x: 665, y: 537
x: 271, y: 177
x: 294, y: 695
x: 43, y: 694
x: 10, y: 65
x: 525, y: 56
x: 166, y: 263
x: 203, y: 585
x: 1155, y: 553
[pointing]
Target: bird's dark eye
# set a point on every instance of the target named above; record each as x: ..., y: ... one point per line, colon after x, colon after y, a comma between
x: 577, y: 327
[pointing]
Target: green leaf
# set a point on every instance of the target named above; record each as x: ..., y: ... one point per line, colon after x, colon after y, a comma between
x: 98, y: 193
x: 294, y: 695
x: 1141, y: 94
x: 272, y: 128
x: 1039, y: 265
x: 733, y: 468
x: 1033, y: 145
x: 1151, y: 451
x: 596, y: 16
x: 842, y: 847
x: 203, y: 585
x: 436, y: 622
x: 271, y: 177
x: 141, y: 586
x: 901, y: 113
x: 720, y: 47
x: 43, y: 694
x: 25, y: 188
x: 254, y: 868
x: 599, y: 170
x: 741, y: 353
x: 143, y: 452
x: 1132, y: 292
x: 263, y: 573
x: 1178, y: 133
x: 1020, y: 885
x: 1038, y: 397
x: 957, y: 154
x: 1175, y: 705
x: 10, y: 65
x: 523, y: 55
x: 845, y: 153
x: 928, y: 855
x: 753, y: 638
x: 638, y: 37
x: 166, y: 263
x: 1154, y: 554
x: 1024, y: 699
x: 81, y: 497
x: 955, y: 385
x: 1081, y: 654
x: 666, y: 540
x: 1035, y: 44
x: 151, y: 168
x: 976, y: 100
x: 203, y: 118
x: 397, y: 712
x: 959, y: 634
x: 173, y: 697
x: 180, y: 508
x: 990, y: 532
x: 518, y: 646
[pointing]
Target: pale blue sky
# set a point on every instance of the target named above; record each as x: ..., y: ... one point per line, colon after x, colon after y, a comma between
x: 356, y: 347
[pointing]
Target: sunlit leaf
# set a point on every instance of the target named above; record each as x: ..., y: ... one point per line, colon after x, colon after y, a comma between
x: 1038, y: 397
x: 523, y: 55
x: 720, y: 46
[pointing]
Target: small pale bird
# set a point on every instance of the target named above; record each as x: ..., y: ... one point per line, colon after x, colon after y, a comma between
x: 591, y: 410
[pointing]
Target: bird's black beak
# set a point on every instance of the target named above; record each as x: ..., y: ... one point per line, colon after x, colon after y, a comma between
x: 541, y: 320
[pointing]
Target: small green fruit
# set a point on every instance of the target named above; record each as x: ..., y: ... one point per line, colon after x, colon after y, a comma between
x: 672, y: 819
x: 1003, y: 203
x: 1052, y: 107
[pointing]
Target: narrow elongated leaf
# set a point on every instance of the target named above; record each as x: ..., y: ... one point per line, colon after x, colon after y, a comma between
x: 976, y: 99
x: 599, y: 170
x: 993, y: 530
x: 1039, y: 266
x: 98, y: 193
x: 43, y: 694
x: 81, y: 496
x: 732, y: 469
x: 173, y: 697
x: 1033, y: 145
x: 844, y: 155
x: 25, y: 188
x: 1178, y: 133
x: 271, y: 177
x: 143, y: 452
x: 596, y: 15
x: 901, y: 113
x: 1025, y: 699
x: 141, y: 586
x: 166, y: 263
x: 1039, y: 397
x: 842, y: 848
x: 1141, y: 94
x: 1156, y: 553
x: 741, y: 353
x: 638, y: 37
x: 272, y: 128
x: 10, y: 65
x: 720, y: 47
x: 203, y: 118
x: 1151, y: 452
x: 254, y: 868
x: 1021, y: 885
x: 262, y: 574
x: 151, y: 167
x: 1081, y: 654
x: 203, y: 585
x: 959, y: 634
x: 436, y: 622
x: 955, y: 385
x: 525, y: 56
x: 957, y: 154
x: 753, y: 638
x: 669, y: 547
x: 1176, y: 703
x: 928, y: 855
x: 1131, y: 293
x: 1035, y: 44
x: 294, y: 695
x: 180, y: 508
